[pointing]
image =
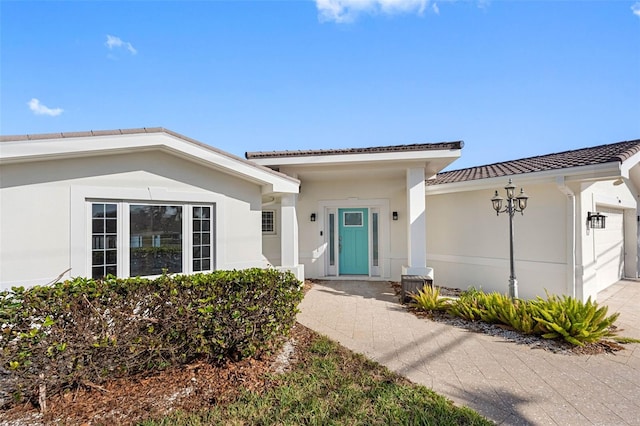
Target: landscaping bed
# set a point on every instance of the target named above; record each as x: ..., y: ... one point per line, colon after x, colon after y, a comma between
x: 311, y: 380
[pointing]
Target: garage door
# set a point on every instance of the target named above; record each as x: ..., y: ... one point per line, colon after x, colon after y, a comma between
x: 610, y: 248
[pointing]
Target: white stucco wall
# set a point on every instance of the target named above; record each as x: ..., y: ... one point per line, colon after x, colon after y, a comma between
x: 37, y: 200
x: 468, y: 245
x: 594, y: 196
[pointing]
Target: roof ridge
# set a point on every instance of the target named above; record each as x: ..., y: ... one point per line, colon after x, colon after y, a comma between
x: 80, y: 134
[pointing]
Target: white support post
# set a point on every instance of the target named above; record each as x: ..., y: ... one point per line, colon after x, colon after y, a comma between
x: 416, y: 223
x: 289, y: 236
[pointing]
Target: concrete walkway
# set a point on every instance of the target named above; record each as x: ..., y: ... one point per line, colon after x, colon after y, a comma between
x: 508, y: 383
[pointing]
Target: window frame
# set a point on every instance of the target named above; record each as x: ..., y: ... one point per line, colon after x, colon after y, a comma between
x: 124, y: 233
x: 274, y: 230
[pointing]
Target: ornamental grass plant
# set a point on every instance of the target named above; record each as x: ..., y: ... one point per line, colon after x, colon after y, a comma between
x: 555, y: 317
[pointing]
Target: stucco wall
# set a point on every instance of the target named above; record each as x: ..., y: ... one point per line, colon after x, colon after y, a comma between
x: 593, y: 197
x: 36, y: 203
x: 468, y: 245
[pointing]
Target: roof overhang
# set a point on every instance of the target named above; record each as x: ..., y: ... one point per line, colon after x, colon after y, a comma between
x: 315, y: 165
x: 21, y: 149
x: 591, y: 173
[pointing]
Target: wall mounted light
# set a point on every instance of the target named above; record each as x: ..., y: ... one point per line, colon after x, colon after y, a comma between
x: 596, y: 220
x: 394, y: 215
x: 313, y: 217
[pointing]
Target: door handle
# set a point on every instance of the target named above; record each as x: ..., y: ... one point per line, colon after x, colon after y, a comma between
x: 340, y: 244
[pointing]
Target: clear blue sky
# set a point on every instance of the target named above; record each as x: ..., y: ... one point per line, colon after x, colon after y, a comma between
x: 511, y: 78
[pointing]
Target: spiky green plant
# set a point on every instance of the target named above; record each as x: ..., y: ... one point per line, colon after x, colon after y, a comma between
x: 574, y: 321
x: 428, y: 299
x: 470, y: 305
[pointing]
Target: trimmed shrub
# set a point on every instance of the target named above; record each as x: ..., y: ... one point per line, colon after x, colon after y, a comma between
x: 85, y: 331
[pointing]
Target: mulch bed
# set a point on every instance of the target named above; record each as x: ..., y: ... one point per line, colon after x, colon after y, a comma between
x: 130, y: 400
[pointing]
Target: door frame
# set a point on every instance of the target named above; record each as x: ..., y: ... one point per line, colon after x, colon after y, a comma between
x: 378, y: 206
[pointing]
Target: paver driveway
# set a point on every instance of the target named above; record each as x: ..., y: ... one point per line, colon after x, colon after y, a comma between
x: 508, y: 383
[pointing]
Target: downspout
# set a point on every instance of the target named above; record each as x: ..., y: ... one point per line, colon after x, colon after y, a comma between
x: 571, y: 234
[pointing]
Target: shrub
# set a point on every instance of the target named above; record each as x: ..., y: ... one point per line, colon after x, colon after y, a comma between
x: 576, y: 322
x: 566, y: 317
x: 428, y: 299
x: 84, y: 330
x: 470, y: 305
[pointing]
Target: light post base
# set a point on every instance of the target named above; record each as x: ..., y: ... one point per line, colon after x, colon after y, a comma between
x: 513, y: 288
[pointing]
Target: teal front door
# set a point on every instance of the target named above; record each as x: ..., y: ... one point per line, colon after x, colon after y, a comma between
x: 353, y: 241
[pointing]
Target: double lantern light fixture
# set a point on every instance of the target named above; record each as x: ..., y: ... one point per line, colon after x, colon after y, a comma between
x: 513, y: 204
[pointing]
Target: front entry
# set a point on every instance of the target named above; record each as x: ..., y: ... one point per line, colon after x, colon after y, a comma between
x: 353, y: 241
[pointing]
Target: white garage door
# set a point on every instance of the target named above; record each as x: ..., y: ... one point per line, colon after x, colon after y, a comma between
x: 610, y: 247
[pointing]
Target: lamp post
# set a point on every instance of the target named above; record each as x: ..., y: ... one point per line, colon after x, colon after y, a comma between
x: 514, y: 204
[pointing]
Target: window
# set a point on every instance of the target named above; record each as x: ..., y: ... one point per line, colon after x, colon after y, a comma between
x: 156, y: 239
x: 175, y: 237
x: 268, y: 222
x: 332, y: 239
x: 352, y: 219
x: 104, y: 240
x: 375, y: 236
x: 201, y: 238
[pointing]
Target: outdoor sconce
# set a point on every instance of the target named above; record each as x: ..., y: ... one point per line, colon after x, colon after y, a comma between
x: 313, y: 217
x: 394, y: 215
x: 596, y: 220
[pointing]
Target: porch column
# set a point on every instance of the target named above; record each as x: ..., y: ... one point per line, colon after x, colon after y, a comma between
x: 416, y: 224
x: 289, y: 236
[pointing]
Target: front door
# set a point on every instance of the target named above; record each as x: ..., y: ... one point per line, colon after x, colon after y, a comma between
x: 353, y: 241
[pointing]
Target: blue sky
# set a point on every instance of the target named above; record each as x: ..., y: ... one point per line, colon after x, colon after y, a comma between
x: 511, y: 78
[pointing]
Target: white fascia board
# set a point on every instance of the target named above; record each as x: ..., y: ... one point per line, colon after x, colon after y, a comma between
x: 75, y: 147
x: 376, y: 157
x: 628, y: 164
x: 595, y: 172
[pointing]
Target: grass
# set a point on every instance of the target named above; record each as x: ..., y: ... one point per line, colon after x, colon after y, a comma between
x: 330, y: 385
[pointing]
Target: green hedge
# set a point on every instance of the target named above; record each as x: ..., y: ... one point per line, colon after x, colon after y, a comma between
x: 85, y: 331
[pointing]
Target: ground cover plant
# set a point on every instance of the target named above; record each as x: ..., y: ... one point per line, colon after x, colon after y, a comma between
x: 82, y: 332
x: 555, y: 317
x: 318, y: 382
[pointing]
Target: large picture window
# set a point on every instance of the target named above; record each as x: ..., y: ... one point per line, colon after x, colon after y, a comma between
x: 151, y: 238
x: 156, y: 240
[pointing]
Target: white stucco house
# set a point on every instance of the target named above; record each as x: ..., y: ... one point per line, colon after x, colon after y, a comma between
x: 384, y: 212
x: 135, y: 202
x: 131, y: 203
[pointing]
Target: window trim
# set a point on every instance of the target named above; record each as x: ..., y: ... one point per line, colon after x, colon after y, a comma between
x: 80, y: 232
x: 124, y: 233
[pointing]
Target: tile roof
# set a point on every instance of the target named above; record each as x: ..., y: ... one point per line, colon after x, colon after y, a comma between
x: 615, y: 152
x: 347, y: 151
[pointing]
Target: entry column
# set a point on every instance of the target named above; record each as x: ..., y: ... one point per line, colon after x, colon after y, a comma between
x: 416, y: 223
x: 289, y: 236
